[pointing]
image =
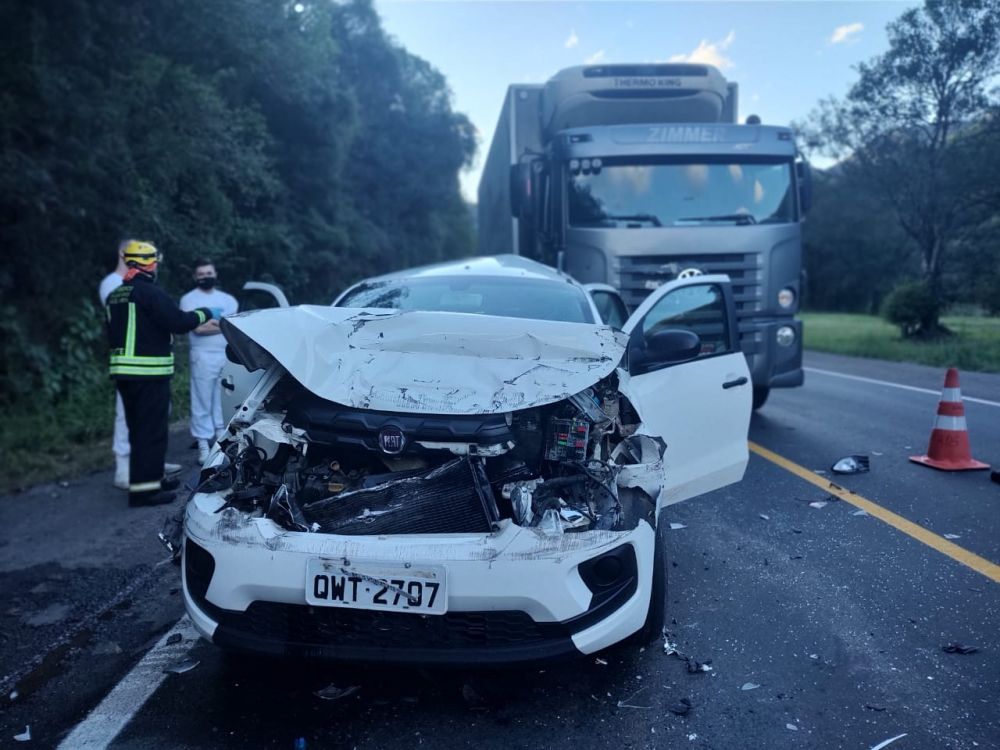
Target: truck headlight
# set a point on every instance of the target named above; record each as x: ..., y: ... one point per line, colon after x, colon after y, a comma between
x: 786, y: 297
x: 785, y: 336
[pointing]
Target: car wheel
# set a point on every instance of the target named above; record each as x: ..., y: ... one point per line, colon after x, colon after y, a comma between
x: 760, y: 396
x: 656, y: 617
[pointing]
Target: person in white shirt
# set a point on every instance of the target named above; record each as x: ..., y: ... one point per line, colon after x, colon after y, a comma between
x: 208, y: 355
x: 119, y: 443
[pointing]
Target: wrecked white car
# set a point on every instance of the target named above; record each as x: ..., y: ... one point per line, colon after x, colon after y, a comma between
x: 470, y: 468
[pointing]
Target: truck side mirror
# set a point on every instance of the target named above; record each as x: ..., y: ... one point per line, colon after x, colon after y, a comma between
x: 521, y: 198
x: 804, y: 173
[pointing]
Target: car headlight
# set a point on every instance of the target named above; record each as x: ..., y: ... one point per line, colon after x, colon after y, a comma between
x: 786, y: 297
x: 785, y: 336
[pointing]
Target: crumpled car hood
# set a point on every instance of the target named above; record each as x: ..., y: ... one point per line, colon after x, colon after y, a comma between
x: 426, y: 362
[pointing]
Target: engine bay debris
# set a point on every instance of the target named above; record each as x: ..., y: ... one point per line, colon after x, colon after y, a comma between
x: 316, y: 466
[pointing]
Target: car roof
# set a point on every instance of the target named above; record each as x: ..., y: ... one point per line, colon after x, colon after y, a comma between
x: 511, y: 266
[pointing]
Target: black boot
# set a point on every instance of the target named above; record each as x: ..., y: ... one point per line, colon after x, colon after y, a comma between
x: 171, y: 483
x: 146, y: 499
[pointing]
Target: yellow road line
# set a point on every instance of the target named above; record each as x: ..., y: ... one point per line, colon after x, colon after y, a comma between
x: 959, y: 554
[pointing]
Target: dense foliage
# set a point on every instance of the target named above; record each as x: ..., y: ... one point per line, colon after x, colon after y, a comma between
x: 915, y: 191
x: 294, y: 142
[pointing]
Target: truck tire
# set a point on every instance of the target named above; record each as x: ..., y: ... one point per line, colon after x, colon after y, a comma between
x: 760, y: 396
x: 656, y: 616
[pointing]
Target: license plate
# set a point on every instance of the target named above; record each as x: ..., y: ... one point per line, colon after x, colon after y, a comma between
x: 418, y: 589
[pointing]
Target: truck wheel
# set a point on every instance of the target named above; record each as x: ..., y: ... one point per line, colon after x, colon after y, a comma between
x: 656, y: 617
x: 760, y: 396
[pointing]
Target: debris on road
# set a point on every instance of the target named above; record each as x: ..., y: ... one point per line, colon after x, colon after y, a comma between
x: 24, y: 736
x: 692, y: 737
x: 818, y: 504
x: 184, y: 665
x: 106, y: 648
x: 624, y: 703
x: 681, y: 708
x: 14, y: 695
x: 860, y: 513
x: 852, y: 465
x: 952, y: 536
x: 886, y: 743
x: 601, y: 662
x: 958, y: 648
x: 174, y: 638
x: 874, y: 707
x: 695, y: 666
x: 792, y: 727
x: 749, y: 686
x: 333, y: 693
x: 677, y: 526
x: 51, y: 615
x: 766, y: 518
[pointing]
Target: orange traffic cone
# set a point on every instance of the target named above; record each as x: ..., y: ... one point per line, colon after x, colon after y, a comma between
x: 949, y: 448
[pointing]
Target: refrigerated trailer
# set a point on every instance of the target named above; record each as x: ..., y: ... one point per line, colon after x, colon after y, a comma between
x: 633, y: 175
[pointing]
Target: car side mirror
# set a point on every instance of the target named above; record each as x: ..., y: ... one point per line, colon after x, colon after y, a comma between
x: 667, y: 347
x: 521, y: 190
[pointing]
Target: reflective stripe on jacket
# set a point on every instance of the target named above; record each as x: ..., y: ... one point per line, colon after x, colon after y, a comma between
x: 141, y: 319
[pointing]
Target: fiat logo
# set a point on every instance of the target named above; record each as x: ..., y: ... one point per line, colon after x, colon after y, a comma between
x: 391, y: 440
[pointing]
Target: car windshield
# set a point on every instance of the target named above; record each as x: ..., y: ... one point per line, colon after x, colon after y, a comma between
x: 484, y: 295
x: 682, y: 194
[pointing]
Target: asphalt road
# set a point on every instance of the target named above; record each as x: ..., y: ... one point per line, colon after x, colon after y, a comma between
x: 833, y: 620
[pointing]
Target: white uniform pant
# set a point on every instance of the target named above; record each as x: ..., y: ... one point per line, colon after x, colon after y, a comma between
x: 206, y: 394
x: 120, y: 444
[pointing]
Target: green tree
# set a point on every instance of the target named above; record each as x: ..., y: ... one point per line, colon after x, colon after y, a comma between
x: 911, y: 111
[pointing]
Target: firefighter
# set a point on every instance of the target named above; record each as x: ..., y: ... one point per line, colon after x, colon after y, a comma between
x: 141, y: 319
x: 119, y: 443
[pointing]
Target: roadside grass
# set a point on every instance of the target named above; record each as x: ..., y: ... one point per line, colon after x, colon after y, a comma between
x: 50, y: 442
x: 975, y: 344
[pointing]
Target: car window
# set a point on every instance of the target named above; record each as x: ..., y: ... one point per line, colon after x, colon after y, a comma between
x: 256, y: 299
x: 610, y: 307
x: 509, y: 297
x: 700, y: 308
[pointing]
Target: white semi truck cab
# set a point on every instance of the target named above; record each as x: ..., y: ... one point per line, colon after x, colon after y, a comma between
x: 631, y: 175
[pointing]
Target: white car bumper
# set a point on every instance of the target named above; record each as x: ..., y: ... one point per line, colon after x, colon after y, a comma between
x: 514, y: 595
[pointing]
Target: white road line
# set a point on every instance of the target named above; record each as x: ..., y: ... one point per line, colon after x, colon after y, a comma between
x: 125, y: 700
x: 896, y: 385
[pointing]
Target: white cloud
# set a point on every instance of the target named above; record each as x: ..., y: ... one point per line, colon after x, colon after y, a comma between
x: 572, y: 40
x: 595, y: 58
x: 846, y: 33
x: 710, y: 53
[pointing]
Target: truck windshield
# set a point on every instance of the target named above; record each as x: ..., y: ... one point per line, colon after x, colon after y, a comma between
x: 682, y: 194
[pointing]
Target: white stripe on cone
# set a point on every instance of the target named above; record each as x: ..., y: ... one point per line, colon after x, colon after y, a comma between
x: 956, y: 424
x: 952, y: 394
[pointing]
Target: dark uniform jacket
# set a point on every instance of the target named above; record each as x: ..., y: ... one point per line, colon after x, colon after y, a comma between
x: 141, y: 319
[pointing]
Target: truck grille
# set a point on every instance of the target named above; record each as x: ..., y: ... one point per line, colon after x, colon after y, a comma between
x: 642, y: 274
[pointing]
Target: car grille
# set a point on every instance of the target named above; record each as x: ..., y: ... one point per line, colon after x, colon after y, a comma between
x: 302, y: 624
x: 642, y: 274
x: 199, y: 567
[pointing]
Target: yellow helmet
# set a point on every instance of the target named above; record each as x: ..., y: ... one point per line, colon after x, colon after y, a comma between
x: 140, y: 253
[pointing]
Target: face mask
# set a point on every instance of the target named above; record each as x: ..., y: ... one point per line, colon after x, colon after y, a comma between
x: 206, y: 282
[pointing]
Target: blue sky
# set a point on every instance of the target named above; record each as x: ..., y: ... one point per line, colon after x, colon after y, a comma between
x: 786, y: 56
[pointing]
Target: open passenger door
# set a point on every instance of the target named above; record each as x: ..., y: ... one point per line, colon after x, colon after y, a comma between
x: 690, y: 383
x: 237, y: 381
